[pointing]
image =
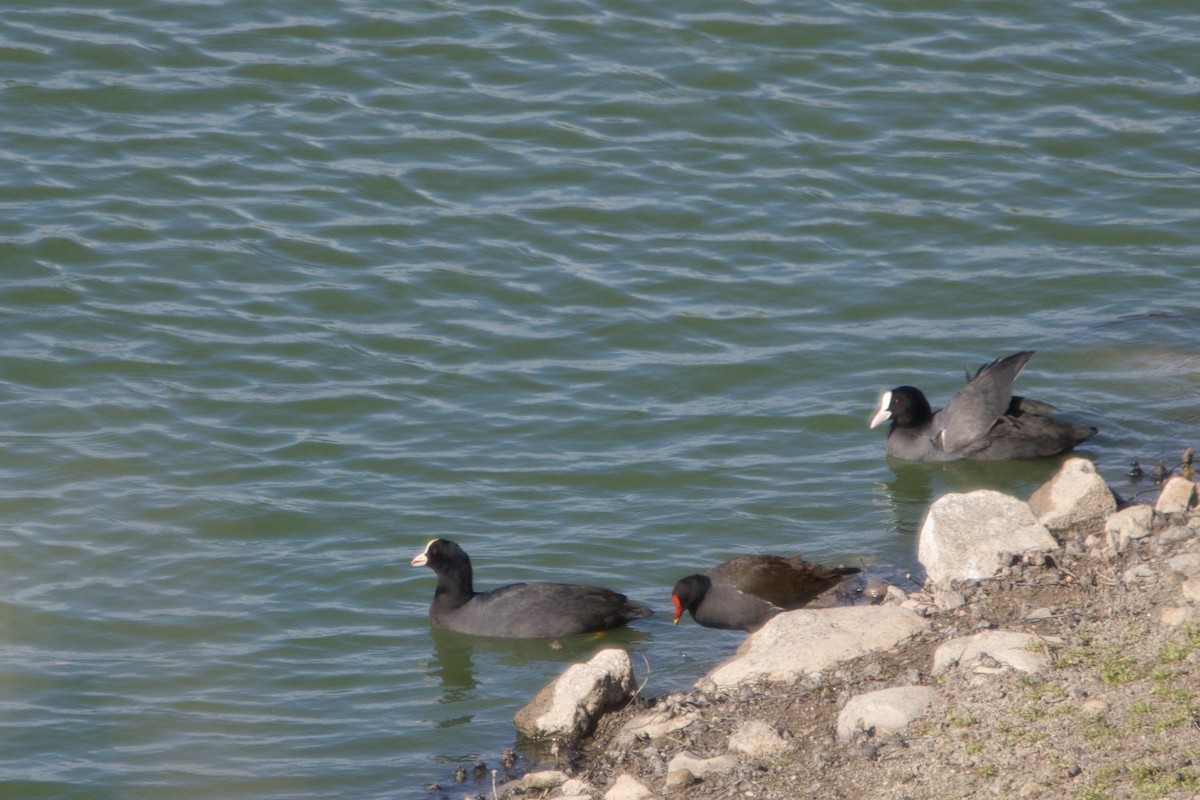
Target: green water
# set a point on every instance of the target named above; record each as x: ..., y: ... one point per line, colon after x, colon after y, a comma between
x: 604, y: 291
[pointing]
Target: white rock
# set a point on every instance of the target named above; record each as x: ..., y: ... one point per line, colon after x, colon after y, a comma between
x: 627, y: 787
x: 885, y: 711
x: 575, y: 788
x: 1185, y: 565
x: 570, y: 706
x: 1138, y: 573
x: 1128, y: 524
x: 541, y: 781
x: 1191, y: 590
x: 1076, y: 494
x: 1009, y: 648
x: 1177, y: 496
x: 1175, y: 616
x: 970, y: 536
x: 698, y: 767
x: 656, y: 723
x: 948, y: 599
x: 1176, y: 534
x: 757, y: 738
x: 806, y: 642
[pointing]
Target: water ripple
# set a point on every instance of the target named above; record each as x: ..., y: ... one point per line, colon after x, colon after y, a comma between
x: 598, y: 289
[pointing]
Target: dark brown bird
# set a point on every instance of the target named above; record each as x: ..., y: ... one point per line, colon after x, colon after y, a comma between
x: 744, y: 592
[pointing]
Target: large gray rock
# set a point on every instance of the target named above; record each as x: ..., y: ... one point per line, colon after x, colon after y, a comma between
x: 1177, y: 496
x: 1076, y: 494
x: 992, y: 651
x: 806, y: 642
x: 884, y: 711
x: 570, y: 706
x: 1127, y: 525
x: 970, y: 536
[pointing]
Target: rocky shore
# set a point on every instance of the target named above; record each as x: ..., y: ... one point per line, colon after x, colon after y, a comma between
x: 1053, y: 651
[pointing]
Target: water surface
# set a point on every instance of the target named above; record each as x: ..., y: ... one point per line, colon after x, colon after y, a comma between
x: 605, y: 292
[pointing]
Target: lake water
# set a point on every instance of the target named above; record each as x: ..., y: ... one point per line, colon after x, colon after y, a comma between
x: 605, y: 291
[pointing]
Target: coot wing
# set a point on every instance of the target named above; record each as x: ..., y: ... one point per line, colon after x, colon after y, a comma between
x: 972, y: 412
x: 534, y: 610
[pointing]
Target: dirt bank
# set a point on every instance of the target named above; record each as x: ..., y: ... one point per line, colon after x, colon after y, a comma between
x: 1116, y: 715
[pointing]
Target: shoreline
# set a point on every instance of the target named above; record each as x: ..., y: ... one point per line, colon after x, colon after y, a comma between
x: 1111, y: 709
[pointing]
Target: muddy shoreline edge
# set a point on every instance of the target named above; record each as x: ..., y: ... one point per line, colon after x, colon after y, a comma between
x: 1107, y: 703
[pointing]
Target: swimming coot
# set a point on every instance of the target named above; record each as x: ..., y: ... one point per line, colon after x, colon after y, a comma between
x: 983, y: 421
x: 519, y: 610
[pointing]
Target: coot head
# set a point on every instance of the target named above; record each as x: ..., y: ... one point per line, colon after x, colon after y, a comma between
x: 905, y: 406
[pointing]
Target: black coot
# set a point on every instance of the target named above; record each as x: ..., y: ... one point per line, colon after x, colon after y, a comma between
x: 983, y: 421
x: 744, y: 592
x: 519, y: 610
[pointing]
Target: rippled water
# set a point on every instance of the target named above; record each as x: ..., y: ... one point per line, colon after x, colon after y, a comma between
x: 604, y: 291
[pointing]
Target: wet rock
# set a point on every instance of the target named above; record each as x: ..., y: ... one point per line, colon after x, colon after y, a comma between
x: 627, y: 787
x: 884, y: 711
x: 1177, y: 496
x: 570, y: 706
x: 971, y: 536
x: 806, y: 642
x: 876, y: 590
x: 1075, y: 495
x: 991, y: 651
x: 756, y: 738
x: 1127, y: 525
